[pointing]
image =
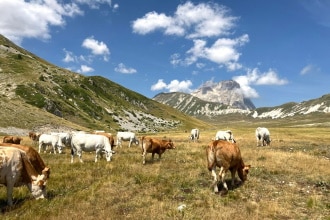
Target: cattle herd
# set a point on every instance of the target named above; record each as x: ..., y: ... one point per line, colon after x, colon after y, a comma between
x: 23, y: 165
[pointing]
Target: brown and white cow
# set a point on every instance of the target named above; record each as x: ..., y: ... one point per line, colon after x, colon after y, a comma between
x: 226, y: 156
x: 33, y: 156
x: 155, y: 146
x: 17, y: 170
x: 12, y: 139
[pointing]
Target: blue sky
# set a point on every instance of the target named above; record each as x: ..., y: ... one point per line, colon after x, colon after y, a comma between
x: 278, y: 50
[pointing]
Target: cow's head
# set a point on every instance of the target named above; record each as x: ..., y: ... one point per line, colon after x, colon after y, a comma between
x: 170, y: 144
x: 108, y: 155
x: 243, y: 172
x: 38, y: 186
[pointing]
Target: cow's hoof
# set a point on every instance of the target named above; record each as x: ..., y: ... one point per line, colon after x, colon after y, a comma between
x: 223, y: 192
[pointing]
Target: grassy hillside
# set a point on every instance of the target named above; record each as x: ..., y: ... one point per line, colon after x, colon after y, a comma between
x: 31, y: 88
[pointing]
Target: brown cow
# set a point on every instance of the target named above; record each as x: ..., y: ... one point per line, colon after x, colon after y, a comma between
x: 226, y: 156
x: 33, y: 156
x: 155, y: 146
x: 12, y: 139
x: 17, y: 170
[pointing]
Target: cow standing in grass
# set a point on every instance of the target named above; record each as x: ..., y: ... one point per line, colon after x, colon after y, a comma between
x: 194, y: 134
x: 263, y: 136
x: 155, y: 146
x: 226, y: 156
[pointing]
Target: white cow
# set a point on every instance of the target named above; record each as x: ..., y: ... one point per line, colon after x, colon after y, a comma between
x: 225, y: 135
x: 126, y: 136
x: 194, y: 134
x: 65, y: 137
x: 263, y: 135
x: 50, y: 140
x: 88, y: 143
x: 17, y: 170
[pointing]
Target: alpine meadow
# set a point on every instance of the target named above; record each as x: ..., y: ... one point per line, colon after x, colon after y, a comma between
x: 289, y: 179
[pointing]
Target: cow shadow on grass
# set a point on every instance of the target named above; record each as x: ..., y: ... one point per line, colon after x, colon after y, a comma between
x: 223, y: 191
x: 17, y: 203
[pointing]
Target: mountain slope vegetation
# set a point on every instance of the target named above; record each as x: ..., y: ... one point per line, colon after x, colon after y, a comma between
x: 35, y: 92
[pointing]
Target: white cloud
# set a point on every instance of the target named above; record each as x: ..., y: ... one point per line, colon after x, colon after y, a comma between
x: 69, y: 57
x: 85, y: 69
x: 173, y: 86
x: 255, y: 77
x: 189, y: 20
x: 33, y: 19
x: 97, y: 48
x: 121, y: 68
x: 307, y: 69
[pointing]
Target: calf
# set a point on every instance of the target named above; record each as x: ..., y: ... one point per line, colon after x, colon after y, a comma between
x: 12, y: 139
x: 155, y: 146
x: 263, y: 135
x: 17, y: 170
x: 226, y: 156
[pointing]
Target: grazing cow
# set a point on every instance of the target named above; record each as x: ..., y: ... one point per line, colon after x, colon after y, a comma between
x: 33, y: 156
x: 11, y: 139
x: 194, y: 134
x: 263, y: 135
x: 226, y: 156
x: 17, y: 170
x: 90, y: 142
x: 50, y: 140
x: 225, y: 135
x: 126, y: 136
x: 155, y: 146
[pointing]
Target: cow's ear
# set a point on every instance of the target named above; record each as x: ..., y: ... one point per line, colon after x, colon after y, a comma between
x: 34, y: 178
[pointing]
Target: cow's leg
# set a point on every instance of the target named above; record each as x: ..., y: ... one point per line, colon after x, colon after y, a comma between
x: 144, y: 152
x: 215, y: 180
x: 152, y: 156
x: 222, y: 175
x: 40, y: 146
x: 10, y: 188
x: 130, y: 142
x: 79, y: 153
x: 233, y: 172
x: 97, y: 152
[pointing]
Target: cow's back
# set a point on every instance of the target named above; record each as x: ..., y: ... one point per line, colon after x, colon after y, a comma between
x: 32, y: 154
x: 228, y: 154
x: 11, y: 165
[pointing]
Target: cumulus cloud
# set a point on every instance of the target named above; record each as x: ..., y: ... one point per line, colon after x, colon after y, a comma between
x: 199, y: 23
x: 33, y: 19
x: 85, y: 69
x: 121, y: 68
x: 96, y: 47
x: 255, y: 77
x: 21, y: 19
x: 69, y: 56
x: 189, y: 20
x: 173, y: 86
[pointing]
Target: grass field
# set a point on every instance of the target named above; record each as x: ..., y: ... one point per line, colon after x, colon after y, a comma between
x: 288, y: 180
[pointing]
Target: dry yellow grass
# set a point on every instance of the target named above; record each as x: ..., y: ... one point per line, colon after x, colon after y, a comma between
x: 288, y: 180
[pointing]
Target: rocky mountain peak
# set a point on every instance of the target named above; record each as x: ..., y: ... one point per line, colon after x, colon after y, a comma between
x: 225, y: 92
